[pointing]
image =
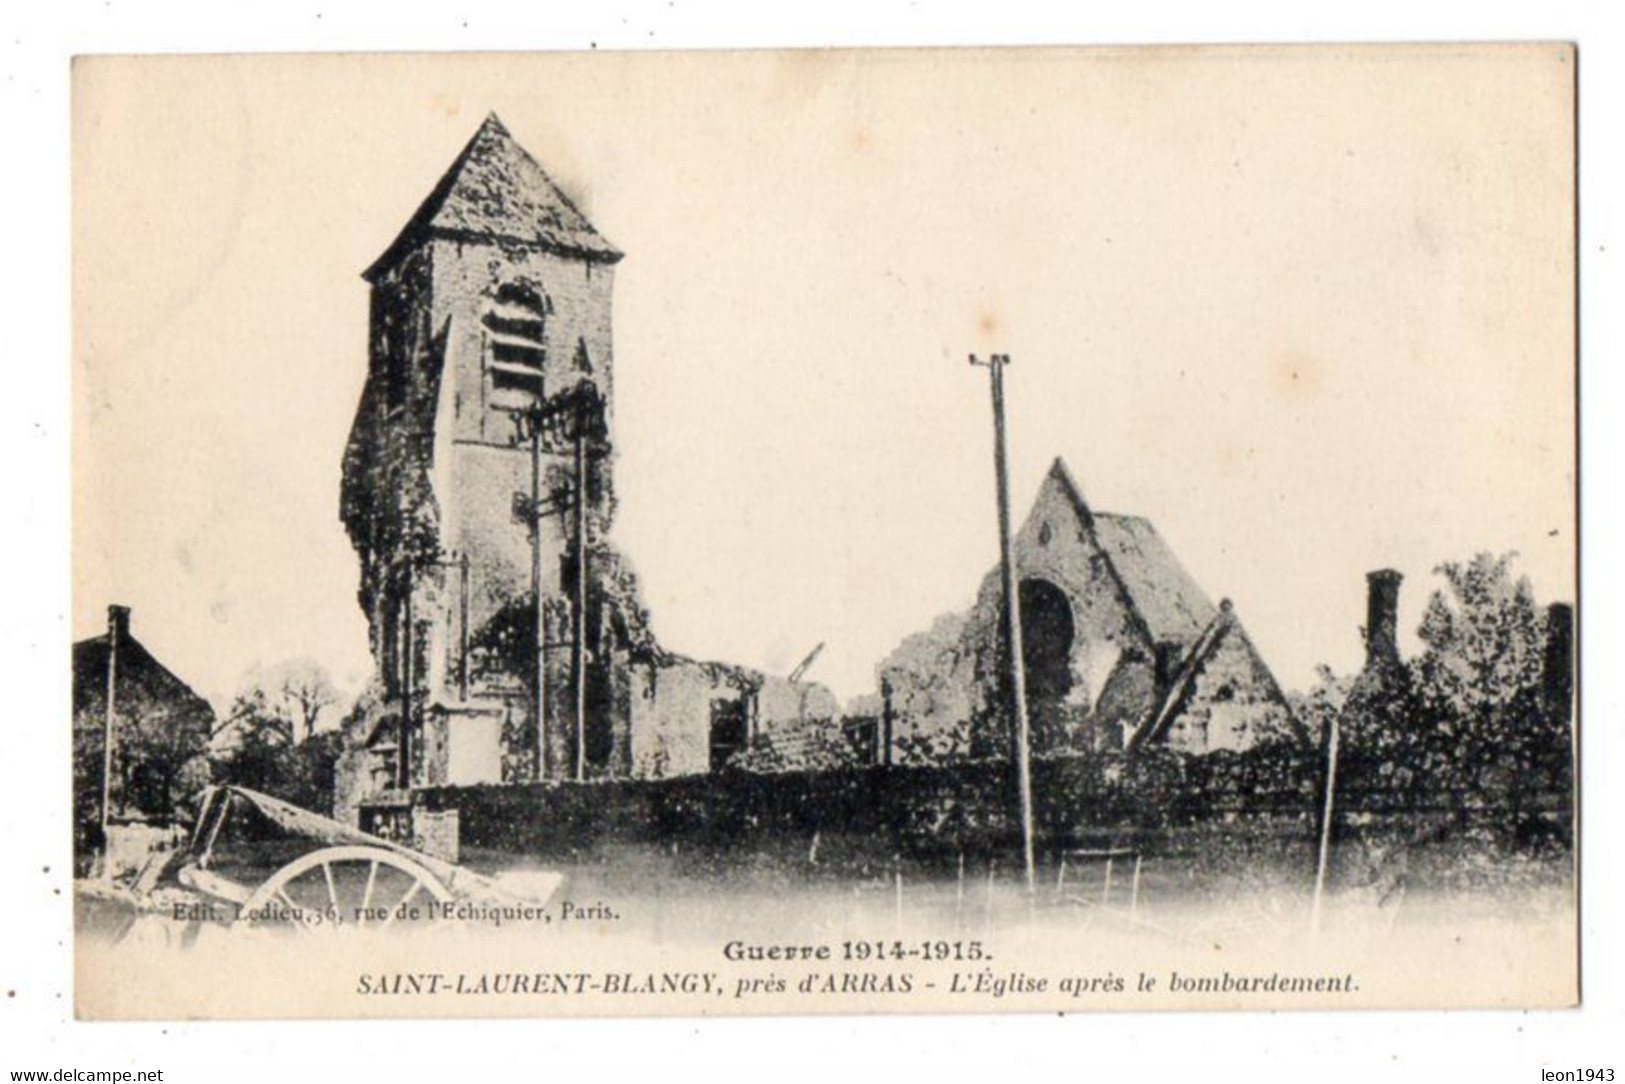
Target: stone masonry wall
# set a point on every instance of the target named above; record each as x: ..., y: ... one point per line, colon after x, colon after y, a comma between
x: 1230, y: 706
x: 1110, y: 650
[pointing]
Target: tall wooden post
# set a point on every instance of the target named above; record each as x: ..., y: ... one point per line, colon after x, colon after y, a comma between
x: 462, y: 626
x: 578, y: 637
x: 886, y: 720
x: 1016, y: 677
x: 404, y: 746
x: 110, y: 721
x: 1326, y: 814
x: 539, y: 692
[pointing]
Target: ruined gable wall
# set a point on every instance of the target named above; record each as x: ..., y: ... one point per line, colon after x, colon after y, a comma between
x: 1110, y: 662
x: 1233, y: 704
x: 1055, y: 545
x: 947, y: 681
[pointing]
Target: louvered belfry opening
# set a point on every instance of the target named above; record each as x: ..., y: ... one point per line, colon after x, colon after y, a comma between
x: 515, y: 324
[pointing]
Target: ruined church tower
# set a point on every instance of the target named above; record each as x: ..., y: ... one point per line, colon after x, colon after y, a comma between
x: 493, y: 302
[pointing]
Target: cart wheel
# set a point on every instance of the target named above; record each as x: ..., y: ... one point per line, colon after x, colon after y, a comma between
x: 345, y: 888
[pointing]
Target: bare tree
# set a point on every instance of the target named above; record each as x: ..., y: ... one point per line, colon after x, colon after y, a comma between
x: 274, y: 739
x: 299, y: 692
x: 305, y: 693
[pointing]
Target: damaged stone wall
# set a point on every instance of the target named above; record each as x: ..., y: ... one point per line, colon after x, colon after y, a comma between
x: 1116, y: 636
x: 497, y: 298
x: 388, y: 503
x: 801, y: 722
x: 1233, y: 703
x: 945, y: 686
x: 435, y: 462
x: 928, y: 688
x: 488, y: 462
x: 671, y: 714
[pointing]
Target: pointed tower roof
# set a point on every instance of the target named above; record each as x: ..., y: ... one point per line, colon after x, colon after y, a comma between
x: 495, y: 191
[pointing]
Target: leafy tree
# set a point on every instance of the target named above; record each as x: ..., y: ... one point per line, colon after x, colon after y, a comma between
x: 253, y: 747
x: 162, y: 758
x: 1389, y: 752
x: 1478, y: 691
x: 316, y: 766
x: 1485, y: 637
x: 1463, y: 726
x: 1323, y: 702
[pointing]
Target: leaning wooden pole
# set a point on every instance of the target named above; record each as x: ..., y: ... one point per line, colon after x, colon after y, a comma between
x: 1016, y: 683
x: 1326, y: 813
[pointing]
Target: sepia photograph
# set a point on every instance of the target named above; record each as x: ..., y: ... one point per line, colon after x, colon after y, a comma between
x: 825, y: 531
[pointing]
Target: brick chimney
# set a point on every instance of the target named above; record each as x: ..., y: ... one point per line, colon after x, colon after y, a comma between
x: 118, y: 624
x: 1382, y: 618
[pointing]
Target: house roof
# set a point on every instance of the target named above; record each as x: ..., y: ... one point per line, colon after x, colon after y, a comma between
x: 1168, y: 600
x: 496, y: 191
x: 137, y: 668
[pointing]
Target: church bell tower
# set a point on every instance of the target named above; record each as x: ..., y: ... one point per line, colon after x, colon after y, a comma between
x: 477, y: 478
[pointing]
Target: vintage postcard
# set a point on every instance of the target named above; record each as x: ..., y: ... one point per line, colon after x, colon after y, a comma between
x: 826, y: 531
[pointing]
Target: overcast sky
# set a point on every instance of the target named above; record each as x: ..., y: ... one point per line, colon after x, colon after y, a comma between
x: 1309, y: 311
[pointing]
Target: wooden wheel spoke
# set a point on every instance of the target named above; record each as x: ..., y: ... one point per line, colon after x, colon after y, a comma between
x: 332, y: 892
x: 345, y: 861
x: 287, y: 901
x: 372, y: 876
x: 417, y: 886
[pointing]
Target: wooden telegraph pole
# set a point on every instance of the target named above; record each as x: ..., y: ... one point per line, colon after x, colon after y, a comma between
x: 110, y: 723
x: 581, y: 407
x: 530, y: 509
x: 540, y: 690
x: 403, y: 747
x: 1016, y: 677
x: 578, y: 632
x: 462, y: 625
